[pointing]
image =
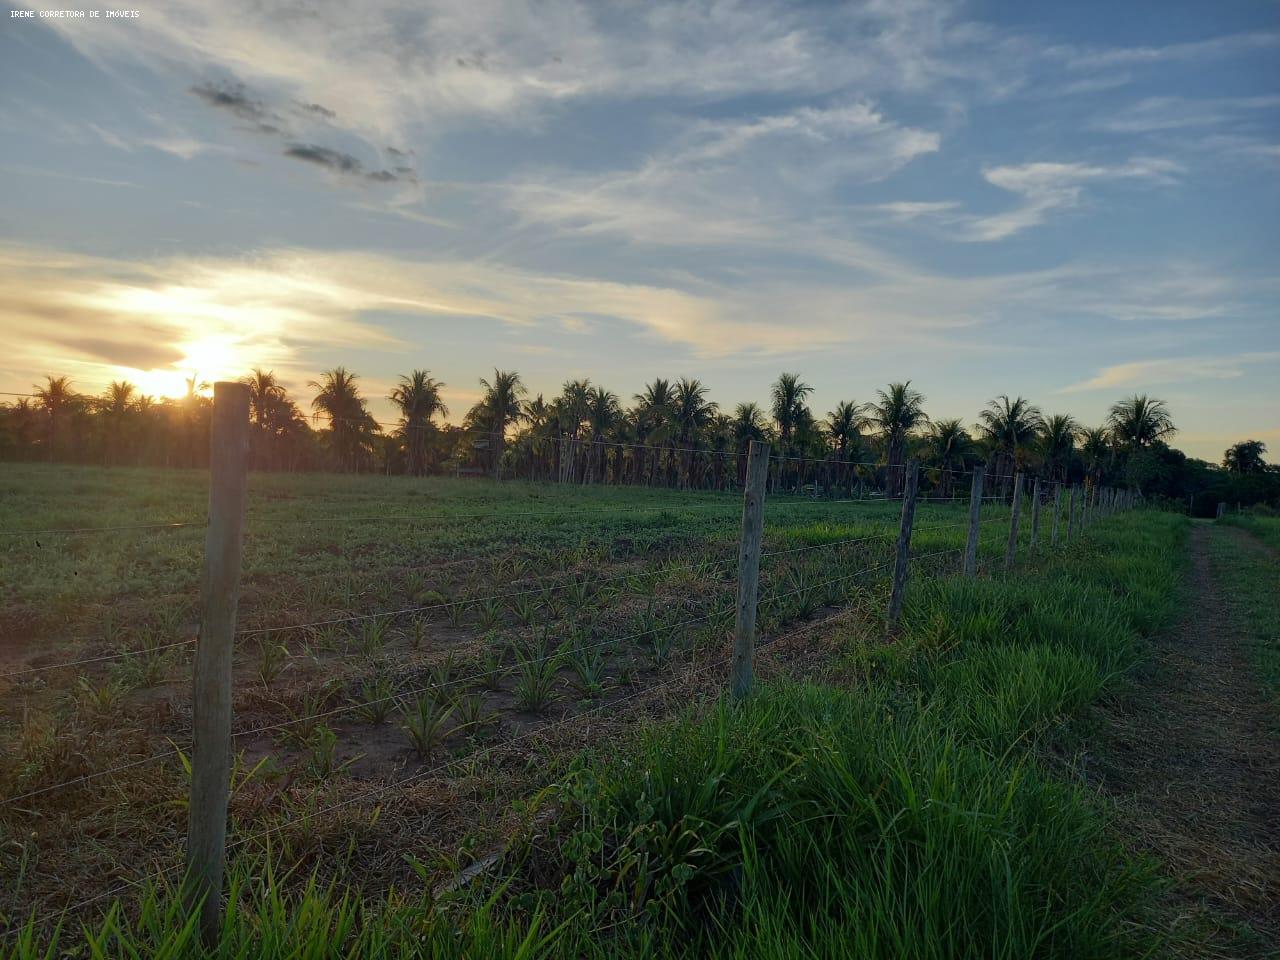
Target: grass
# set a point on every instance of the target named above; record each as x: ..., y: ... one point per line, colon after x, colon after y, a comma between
x: 1266, y: 529
x: 1252, y: 574
x: 900, y: 806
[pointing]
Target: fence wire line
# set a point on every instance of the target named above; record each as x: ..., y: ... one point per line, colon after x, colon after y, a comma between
x: 404, y: 694
x: 404, y: 611
x: 357, y: 705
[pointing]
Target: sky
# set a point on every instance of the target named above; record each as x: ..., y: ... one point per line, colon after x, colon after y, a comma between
x: 1071, y: 202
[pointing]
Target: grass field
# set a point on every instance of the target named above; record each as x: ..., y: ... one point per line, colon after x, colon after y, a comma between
x: 381, y: 752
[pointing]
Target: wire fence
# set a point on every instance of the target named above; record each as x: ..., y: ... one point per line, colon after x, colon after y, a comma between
x: 656, y: 629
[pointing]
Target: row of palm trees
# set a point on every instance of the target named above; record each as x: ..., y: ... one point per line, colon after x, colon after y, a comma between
x: 670, y: 433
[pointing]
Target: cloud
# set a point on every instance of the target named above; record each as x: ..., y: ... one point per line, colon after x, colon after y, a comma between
x: 1157, y: 114
x: 1047, y: 187
x: 409, y: 67
x: 317, y: 110
x: 762, y: 181
x: 1230, y: 45
x: 1143, y: 373
x: 333, y: 159
x: 235, y: 98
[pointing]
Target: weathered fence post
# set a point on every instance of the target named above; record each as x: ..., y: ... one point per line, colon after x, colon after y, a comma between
x: 975, y: 521
x: 902, y: 559
x: 1057, y: 509
x: 1035, y: 513
x: 1071, y: 514
x: 744, y: 634
x: 1015, y: 510
x: 211, y: 693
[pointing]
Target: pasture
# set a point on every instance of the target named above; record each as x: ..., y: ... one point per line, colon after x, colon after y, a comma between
x: 387, y: 627
x: 476, y: 718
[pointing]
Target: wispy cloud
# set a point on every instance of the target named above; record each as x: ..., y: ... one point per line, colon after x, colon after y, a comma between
x: 1048, y: 187
x: 1093, y: 58
x: 1148, y: 373
x: 1155, y: 114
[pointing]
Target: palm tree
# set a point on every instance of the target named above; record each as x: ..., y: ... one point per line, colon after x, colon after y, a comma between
x: 265, y: 395
x: 603, y: 415
x: 56, y: 399
x: 499, y: 409
x: 115, y: 406
x: 1057, y: 442
x: 351, y: 428
x: 1095, y: 450
x: 571, y: 409
x: 948, y: 447
x: 844, y: 429
x: 418, y: 397
x: 898, y: 412
x: 1011, y: 427
x: 1139, y: 421
x: 1245, y: 457
x: 653, y: 417
x: 787, y: 401
x: 691, y: 412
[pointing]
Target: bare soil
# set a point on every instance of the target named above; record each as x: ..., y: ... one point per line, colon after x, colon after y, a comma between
x: 1194, y: 767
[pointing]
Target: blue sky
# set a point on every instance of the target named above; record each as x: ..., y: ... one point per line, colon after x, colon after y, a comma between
x: 1071, y: 202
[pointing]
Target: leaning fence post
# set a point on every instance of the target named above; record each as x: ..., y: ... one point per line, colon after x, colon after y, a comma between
x: 211, y: 693
x: 975, y: 519
x: 744, y: 634
x: 1011, y: 551
x: 1035, y: 513
x: 902, y: 560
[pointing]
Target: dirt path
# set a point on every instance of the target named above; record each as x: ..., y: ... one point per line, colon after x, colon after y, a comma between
x: 1194, y: 766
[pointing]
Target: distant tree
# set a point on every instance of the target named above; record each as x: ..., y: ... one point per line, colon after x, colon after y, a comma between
x: 115, y: 405
x: 947, y: 447
x: 1245, y: 457
x: 844, y: 426
x: 1139, y: 421
x: 897, y: 413
x: 351, y: 428
x: 419, y: 400
x: 787, y: 401
x: 1096, y: 452
x: 652, y: 415
x: 1011, y: 427
x: 499, y: 408
x: 1057, y: 443
x: 58, y: 401
x: 604, y: 413
x: 691, y: 411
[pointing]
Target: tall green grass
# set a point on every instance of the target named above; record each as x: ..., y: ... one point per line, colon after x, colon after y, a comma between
x: 905, y: 814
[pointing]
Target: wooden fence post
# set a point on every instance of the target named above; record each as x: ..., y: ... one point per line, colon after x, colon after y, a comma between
x: 1071, y: 514
x: 975, y: 520
x: 744, y: 634
x: 211, y: 693
x: 1035, y: 513
x: 902, y: 560
x: 1015, y: 510
x: 1057, y: 509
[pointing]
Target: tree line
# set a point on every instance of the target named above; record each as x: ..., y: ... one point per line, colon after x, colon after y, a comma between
x: 669, y: 434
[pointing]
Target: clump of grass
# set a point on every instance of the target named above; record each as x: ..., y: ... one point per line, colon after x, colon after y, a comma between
x: 425, y: 722
x: 535, y: 681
